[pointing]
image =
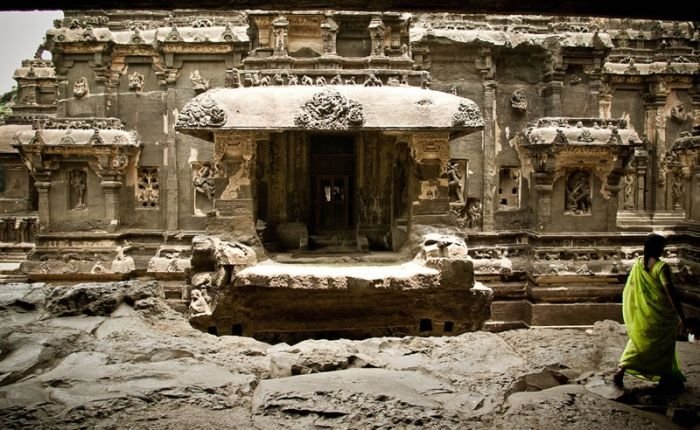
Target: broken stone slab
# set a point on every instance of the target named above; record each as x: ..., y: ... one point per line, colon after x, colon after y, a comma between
x: 98, y: 298
x: 352, y: 397
x: 315, y: 356
x: 24, y: 296
x: 572, y: 406
x: 89, y: 380
x: 209, y: 253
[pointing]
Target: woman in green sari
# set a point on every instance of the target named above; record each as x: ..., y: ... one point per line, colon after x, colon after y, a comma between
x: 651, y: 310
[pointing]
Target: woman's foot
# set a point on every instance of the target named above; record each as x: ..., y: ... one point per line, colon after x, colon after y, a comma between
x: 618, y: 378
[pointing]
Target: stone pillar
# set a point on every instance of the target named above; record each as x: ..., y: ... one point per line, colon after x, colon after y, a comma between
x: 655, y: 130
x: 613, y: 187
x: 234, y: 208
x: 43, y: 184
x: 490, y: 170
x: 552, y: 93
x: 430, y: 200
x: 544, y: 184
x: 172, y: 196
x: 641, y: 165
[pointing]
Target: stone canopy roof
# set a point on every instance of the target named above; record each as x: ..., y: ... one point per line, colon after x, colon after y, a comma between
x: 346, y: 107
x: 76, y: 133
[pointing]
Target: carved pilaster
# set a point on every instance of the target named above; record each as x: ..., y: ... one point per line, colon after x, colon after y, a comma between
x: 43, y: 185
x: 377, y: 33
x: 280, y: 27
x: 235, y: 172
x: 490, y: 170
x: 329, y: 32
x: 431, y: 153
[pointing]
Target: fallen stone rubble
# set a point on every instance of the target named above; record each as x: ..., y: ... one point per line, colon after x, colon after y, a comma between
x: 114, y: 355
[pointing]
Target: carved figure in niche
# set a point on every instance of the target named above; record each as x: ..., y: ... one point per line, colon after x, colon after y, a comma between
x: 337, y: 80
x: 578, y: 193
x: 404, y: 51
x: 200, y: 84
x: 678, y: 113
x: 473, y: 219
x: 628, y: 194
x: 350, y: 81
x: 320, y: 81
x: 677, y: 192
x: 393, y: 81
x: 232, y: 78
x: 204, y: 181
x: 78, y: 185
x: 404, y: 80
x: 292, y: 80
x: 305, y: 80
x: 280, y: 25
x: 372, y: 81
x: 277, y: 79
x: 518, y: 101
x: 136, y: 82
x: 265, y: 81
x: 455, y: 181
x: 81, y: 88
x: 376, y: 33
x: 329, y: 31
x: 200, y: 304
x: 426, y: 80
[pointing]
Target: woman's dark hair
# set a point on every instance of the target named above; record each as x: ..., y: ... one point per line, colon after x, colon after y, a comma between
x: 653, y: 247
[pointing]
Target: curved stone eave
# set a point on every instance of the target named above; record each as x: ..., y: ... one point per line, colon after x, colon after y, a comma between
x: 328, y: 109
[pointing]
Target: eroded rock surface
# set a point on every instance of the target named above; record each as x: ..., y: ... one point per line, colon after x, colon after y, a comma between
x: 120, y: 358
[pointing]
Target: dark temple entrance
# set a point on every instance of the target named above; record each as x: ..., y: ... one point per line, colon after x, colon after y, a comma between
x: 332, y: 174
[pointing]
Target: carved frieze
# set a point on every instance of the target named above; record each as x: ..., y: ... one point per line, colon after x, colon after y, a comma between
x: 467, y: 115
x: 201, y: 112
x: 330, y: 110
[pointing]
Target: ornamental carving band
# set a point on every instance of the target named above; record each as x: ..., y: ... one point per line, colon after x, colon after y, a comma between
x: 202, y: 112
x: 467, y: 115
x: 330, y: 110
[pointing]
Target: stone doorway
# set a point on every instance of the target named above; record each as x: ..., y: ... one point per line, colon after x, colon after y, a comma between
x: 332, y: 184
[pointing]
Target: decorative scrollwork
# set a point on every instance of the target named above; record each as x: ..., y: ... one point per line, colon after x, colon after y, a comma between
x: 330, y: 110
x: 201, y: 112
x: 467, y: 115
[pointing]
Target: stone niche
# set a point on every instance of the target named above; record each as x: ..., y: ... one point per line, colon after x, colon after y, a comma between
x: 576, y: 166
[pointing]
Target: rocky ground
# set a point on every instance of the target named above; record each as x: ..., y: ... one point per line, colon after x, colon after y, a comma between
x: 112, y: 356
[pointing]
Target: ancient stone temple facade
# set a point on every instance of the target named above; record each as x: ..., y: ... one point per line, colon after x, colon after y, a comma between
x: 264, y: 165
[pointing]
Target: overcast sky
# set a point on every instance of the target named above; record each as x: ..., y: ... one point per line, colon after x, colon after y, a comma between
x: 20, y: 35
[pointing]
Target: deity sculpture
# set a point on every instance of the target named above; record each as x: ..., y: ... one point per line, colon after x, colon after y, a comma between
x: 200, y: 84
x: 81, y: 88
x: 78, y: 185
x: 578, y: 196
x: 136, y: 82
x: 204, y: 182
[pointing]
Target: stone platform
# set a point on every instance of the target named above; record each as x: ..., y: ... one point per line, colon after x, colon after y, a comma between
x: 290, y: 302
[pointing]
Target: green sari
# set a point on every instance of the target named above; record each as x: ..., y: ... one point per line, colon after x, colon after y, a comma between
x: 652, y: 324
